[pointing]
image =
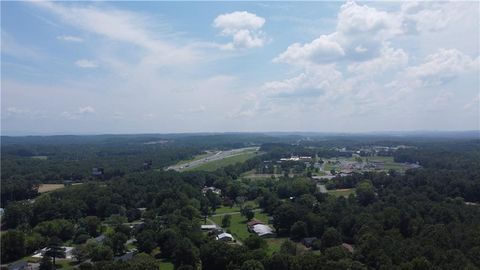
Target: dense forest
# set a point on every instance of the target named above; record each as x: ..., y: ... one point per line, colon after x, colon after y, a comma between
x: 425, y: 218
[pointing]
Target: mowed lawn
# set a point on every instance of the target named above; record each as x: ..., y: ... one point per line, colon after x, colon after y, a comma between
x: 217, y: 164
x: 274, y: 245
x: 342, y: 192
x: 49, y: 187
x: 166, y: 265
x: 236, y: 208
x: 43, y: 188
x: 238, y: 224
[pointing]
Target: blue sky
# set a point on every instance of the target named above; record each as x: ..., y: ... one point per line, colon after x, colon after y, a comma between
x: 127, y: 67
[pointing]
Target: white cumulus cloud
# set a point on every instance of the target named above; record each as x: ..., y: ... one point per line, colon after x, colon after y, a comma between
x: 70, y: 38
x: 442, y: 66
x: 86, y: 109
x: 322, y: 49
x: 84, y: 63
x: 244, y: 28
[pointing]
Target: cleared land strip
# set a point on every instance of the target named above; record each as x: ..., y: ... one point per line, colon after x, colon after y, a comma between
x: 203, y: 160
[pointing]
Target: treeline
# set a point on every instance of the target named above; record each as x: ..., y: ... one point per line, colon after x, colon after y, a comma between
x: 416, y: 220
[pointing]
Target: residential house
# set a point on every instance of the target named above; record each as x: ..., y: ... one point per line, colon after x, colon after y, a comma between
x: 224, y: 237
x: 125, y: 257
x: 263, y: 230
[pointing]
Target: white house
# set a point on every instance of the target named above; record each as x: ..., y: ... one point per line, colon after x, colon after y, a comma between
x: 225, y: 237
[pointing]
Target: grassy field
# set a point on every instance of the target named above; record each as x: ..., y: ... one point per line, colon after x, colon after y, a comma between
x: 165, y: 265
x: 379, y: 158
x: 214, y: 165
x: 274, y: 244
x: 65, y: 264
x: 257, y: 176
x: 43, y: 188
x: 49, y: 187
x: 197, y: 157
x: 226, y: 209
x: 40, y: 157
x: 389, y: 163
x: 341, y: 192
x: 238, y: 226
x: 328, y: 167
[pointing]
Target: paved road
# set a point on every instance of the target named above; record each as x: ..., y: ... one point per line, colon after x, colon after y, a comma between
x: 213, y: 157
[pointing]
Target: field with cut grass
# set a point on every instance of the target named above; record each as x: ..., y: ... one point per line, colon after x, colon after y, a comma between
x: 274, y: 245
x: 166, y: 265
x: 236, y: 208
x: 40, y: 157
x: 341, y: 192
x: 238, y: 225
x: 197, y: 157
x: 49, y: 187
x: 43, y: 188
x: 217, y: 164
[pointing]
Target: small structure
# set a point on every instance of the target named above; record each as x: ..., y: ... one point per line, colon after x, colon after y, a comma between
x: 99, y: 239
x: 208, y: 227
x: 308, y: 241
x: 348, y: 247
x: 263, y: 230
x: 20, y: 265
x: 67, y: 183
x: 212, y: 189
x: 252, y: 223
x: 147, y: 164
x: 97, y: 171
x: 216, y: 231
x: 224, y: 237
x: 125, y: 257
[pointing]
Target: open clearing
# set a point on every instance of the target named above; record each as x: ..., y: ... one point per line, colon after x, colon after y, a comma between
x: 342, y: 192
x: 49, y: 187
x: 40, y: 157
x: 238, y: 224
x: 42, y: 188
x: 274, y: 245
x: 236, y: 208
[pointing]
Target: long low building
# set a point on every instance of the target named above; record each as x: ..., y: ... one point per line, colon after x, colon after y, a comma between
x: 208, y: 227
x: 224, y: 237
x: 263, y: 230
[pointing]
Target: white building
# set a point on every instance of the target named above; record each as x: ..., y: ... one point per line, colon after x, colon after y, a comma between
x: 208, y: 227
x: 213, y: 189
x: 224, y: 237
x: 263, y: 230
x: 68, y: 253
